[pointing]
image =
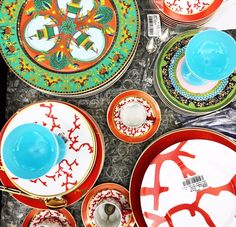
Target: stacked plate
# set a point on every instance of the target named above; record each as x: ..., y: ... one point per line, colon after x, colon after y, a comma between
x: 72, y: 177
x: 69, y: 48
x: 186, y: 13
x: 174, y: 182
x: 182, y: 97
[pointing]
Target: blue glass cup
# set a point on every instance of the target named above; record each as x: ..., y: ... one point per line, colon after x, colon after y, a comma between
x: 210, y: 56
x: 31, y: 150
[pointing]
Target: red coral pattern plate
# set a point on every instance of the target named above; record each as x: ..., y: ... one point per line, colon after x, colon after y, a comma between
x: 82, y: 189
x: 188, y: 10
x: 160, y: 145
x: 57, y: 218
x: 180, y: 186
x: 103, y: 191
x: 80, y: 148
x: 140, y: 100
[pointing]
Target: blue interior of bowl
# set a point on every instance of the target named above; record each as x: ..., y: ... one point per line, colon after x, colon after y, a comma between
x: 30, y: 151
x: 211, y: 55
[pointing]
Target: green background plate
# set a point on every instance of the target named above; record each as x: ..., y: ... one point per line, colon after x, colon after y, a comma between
x: 82, y: 83
x: 173, y: 97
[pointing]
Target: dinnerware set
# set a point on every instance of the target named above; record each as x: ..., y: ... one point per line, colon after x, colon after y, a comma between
x: 52, y: 152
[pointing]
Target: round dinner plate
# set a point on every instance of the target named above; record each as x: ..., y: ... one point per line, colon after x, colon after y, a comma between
x: 104, y: 191
x: 38, y: 217
x: 177, y: 92
x: 188, y: 11
x: 77, y: 192
x: 182, y: 180
x: 162, y: 143
x: 143, y: 107
x: 68, y: 47
x: 80, y: 143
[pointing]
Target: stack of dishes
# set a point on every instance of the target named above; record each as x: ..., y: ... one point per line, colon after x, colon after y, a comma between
x: 186, y: 13
x: 71, y: 178
x: 179, y: 95
x: 174, y: 181
x: 69, y: 48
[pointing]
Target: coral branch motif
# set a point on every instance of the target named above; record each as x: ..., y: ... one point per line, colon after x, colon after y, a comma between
x: 64, y: 170
x: 188, y: 7
x: 49, y: 217
x: 75, y: 139
x: 193, y: 208
x: 51, y: 116
x: 118, y: 197
x: 144, y: 128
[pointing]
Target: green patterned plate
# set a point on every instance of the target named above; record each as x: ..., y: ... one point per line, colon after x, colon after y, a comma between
x: 182, y: 96
x: 69, y: 47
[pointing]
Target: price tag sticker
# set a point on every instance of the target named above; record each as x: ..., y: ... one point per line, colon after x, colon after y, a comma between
x: 154, y: 25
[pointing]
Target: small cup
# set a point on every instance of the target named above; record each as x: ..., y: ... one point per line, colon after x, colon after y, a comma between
x: 108, y: 213
x: 31, y: 150
x: 49, y: 222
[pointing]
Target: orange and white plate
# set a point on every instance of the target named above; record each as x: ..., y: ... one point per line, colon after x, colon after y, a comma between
x: 57, y: 218
x: 133, y: 116
x: 75, y: 191
x: 104, y: 191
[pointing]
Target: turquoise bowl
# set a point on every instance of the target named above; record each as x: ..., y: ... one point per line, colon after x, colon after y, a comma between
x: 31, y: 150
x: 210, y: 56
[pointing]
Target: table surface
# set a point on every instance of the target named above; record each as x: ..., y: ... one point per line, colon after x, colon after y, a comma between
x: 120, y: 157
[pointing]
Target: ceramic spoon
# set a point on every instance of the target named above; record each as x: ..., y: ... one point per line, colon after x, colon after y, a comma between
x: 54, y: 203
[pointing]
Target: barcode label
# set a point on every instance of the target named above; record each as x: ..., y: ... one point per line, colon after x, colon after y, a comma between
x: 195, y: 183
x: 154, y: 25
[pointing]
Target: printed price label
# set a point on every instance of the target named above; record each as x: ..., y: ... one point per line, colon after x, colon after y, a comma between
x: 154, y: 25
x: 195, y: 183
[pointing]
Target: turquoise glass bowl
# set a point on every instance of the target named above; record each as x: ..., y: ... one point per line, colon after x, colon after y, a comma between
x: 210, y: 56
x: 31, y: 150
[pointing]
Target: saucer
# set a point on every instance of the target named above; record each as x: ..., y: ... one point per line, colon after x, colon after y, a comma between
x: 102, y: 191
x: 82, y: 189
x: 69, y: 47
x: 56, y: 218
x: 182, y: 179
x: 182, y: 96
x: 133, y: 116
x: 156, y: 148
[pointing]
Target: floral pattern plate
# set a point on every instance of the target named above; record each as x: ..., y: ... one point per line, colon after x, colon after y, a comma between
x: 68, y: 47
x: 56, y: 218
x: 182, y: 180
x: 103, y: 191
x: 80, y: 142
x: 82, y: 189
x: 188, y: 10
x: 181, y: 95
x: 160, y: 145
x: 142, y: 102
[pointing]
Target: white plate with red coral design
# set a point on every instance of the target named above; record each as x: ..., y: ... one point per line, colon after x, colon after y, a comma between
x: 133, y: 116
x: 81, y: 148
x: 188, y: 184
x: 52, y: 218
x: 104, y: 191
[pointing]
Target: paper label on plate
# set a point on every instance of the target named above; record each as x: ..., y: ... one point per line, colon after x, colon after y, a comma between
x: 195, y: 183
x: 154, y: 25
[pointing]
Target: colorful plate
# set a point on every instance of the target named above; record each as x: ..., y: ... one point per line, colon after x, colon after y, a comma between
x: 182, y: 180
x: 179, y: 94
x: 107, y: 190
x: 188, y: 11
x: 70, y: 47
x: 157, y: 147
x: 82, y: 189
x: 61, y: 218
x: 143, y: 107
x: 80, y: 153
